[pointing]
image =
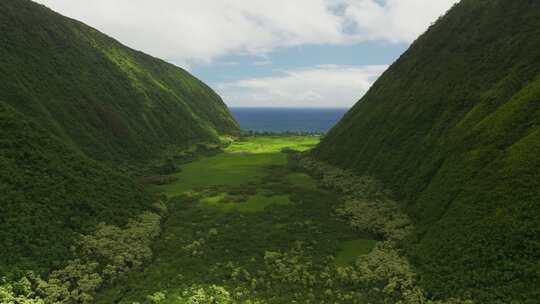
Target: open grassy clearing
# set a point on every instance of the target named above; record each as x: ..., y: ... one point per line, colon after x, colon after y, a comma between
x: 273, y: 144
x: 243, y: 162
x: 230, y: 214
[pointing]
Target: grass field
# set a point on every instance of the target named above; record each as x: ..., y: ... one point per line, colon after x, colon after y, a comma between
x: 242, y: 162
x: 274, y: 144
x: 229, y: 212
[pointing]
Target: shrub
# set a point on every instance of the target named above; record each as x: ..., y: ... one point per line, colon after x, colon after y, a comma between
x: 212, y: 294
x: 159, y: 179
x: 105, y: 255
x: 169, y: 167
x: 384, y: 275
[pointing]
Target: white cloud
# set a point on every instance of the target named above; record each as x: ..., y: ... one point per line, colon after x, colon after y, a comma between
x: 189, y: 32
x: 321, y: 86
x: 393, y: 20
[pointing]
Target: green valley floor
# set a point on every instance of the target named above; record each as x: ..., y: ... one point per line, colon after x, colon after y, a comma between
x: 244, y: 227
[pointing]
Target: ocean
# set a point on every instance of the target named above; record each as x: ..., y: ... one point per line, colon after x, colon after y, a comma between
x: 287, y: 119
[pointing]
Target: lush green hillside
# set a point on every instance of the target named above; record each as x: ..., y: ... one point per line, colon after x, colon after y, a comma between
x: 110, y: 101
x: 453, y: 128
x: 51, y: 192
x: 74, y: 104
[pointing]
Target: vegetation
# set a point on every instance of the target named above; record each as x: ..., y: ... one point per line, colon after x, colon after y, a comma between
x: 252, y: 133
x: 243, y: 162
x: 79, y: 113
x: 109, y: 101
x: 106, y: 255
x: 51, y: 193
x: 452, y: 129
x: 278, y: 236
x: 351, y: 250
x: 229, y: 231
x: 267, y: 238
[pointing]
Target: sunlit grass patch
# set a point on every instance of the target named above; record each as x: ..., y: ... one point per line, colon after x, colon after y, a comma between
x: 269, y: 144
x: 243, y: 162
x: 351, y: 250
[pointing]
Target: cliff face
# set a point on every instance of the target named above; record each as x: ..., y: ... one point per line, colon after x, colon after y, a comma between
x: 453, y: 128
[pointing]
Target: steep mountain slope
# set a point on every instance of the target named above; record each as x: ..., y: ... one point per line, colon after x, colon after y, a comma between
x: 74, y: 104
x: 108, y: 100
x: 453, y: 128
x: 51, y: 192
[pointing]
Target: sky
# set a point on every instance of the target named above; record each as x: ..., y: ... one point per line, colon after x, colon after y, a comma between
x: 268, y: 53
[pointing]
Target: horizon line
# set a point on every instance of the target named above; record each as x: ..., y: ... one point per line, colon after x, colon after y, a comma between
x: 285, y: 107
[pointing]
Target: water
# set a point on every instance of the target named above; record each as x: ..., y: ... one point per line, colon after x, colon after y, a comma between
x: 287, y: 119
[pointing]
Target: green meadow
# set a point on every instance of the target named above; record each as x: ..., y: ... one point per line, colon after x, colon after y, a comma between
x: 243, y: 162
x: 230, y: 215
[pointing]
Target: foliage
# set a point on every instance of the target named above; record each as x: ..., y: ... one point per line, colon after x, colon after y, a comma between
x: 452, y: 129
x: 51, y: 193
x: 159, y: 180
x: 119, y: 250
x: 367, y: 206
x: 157, y: 297
x: 169, y: 167
x: 351, y: 250
x: 105, y: 256
x: 18, y: 293
x: 382, y: 218
x: 202, y: 245
x: 283, y: 253
x: 383, y: 275
x: 109, y: 101
x: 242, y: 162
x: 209, y: 295
x: 77, y: 111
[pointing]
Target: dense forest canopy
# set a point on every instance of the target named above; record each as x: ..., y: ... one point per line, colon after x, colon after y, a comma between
x: 107, y: 100
x: 453, y: 129
x: 74, y: 105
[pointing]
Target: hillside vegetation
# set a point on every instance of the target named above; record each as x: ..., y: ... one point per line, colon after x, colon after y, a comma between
x: 75, y: 106
x: 50, y: 193
x: 452, y: 128
x: 108, y: 100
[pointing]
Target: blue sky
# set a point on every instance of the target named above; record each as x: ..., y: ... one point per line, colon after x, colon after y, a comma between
x: 268, y: 53
x: 237, y: 67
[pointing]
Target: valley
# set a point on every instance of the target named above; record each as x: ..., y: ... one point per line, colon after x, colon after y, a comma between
x: 125, y: 178
x: 234, y: 215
